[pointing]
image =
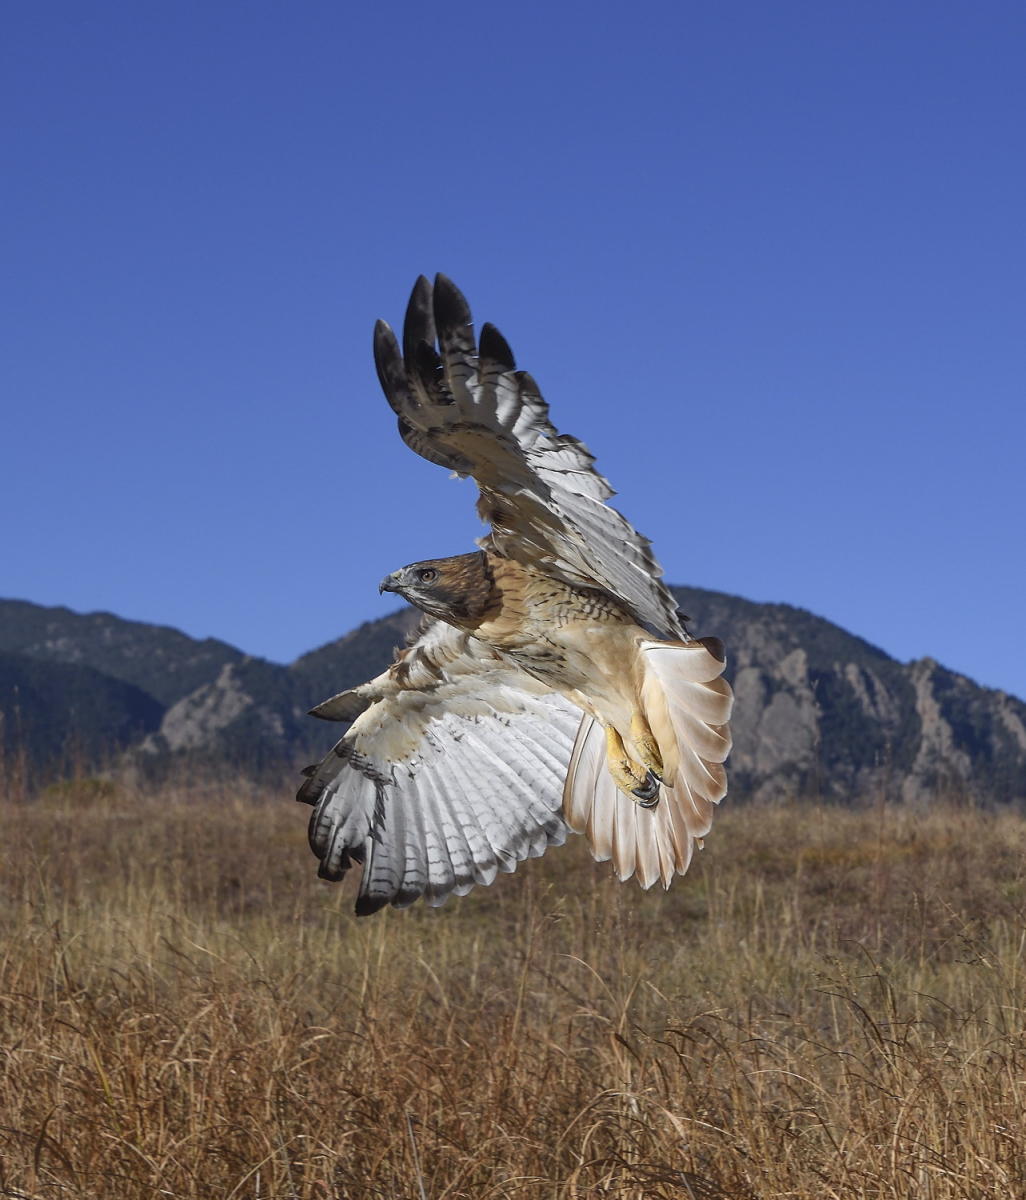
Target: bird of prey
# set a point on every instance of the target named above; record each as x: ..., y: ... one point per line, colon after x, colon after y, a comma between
x: 552, y: 686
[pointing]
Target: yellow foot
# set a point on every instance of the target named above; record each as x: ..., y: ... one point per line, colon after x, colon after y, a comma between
x: 640, y: 783
x: 644, y: 740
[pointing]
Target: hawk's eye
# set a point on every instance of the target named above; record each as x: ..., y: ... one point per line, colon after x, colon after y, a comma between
x: 427, y: 574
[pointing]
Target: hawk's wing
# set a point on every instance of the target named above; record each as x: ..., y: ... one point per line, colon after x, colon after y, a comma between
x: 463, y: 405
x: 452, y: 770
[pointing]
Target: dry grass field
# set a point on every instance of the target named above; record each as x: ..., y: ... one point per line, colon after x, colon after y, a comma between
x: 830, y: 1005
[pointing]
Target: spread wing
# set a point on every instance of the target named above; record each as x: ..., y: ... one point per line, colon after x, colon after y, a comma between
x: 452, y: 770
x: 464, y: 405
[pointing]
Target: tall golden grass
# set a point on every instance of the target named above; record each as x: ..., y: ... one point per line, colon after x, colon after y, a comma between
x: 831, y: 1004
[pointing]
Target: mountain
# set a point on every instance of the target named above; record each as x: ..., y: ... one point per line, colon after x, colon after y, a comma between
x: 819, y: 711
x: 61, y: 712
x: 162, y: 662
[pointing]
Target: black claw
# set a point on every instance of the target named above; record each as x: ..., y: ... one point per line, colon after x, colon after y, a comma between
x: 648, y: 794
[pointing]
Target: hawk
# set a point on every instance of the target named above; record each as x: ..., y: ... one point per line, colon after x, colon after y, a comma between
x: 552, y: 686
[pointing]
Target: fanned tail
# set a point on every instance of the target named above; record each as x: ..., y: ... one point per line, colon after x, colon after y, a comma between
x: 687, y: 704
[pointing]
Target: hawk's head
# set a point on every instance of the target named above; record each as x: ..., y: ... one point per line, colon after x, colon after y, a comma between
x: 457, y: 590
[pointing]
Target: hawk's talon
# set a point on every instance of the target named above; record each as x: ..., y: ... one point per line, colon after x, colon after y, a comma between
x: 639, y: 781
x: 647, y: 795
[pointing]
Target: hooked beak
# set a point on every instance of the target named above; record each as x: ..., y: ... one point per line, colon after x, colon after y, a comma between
x: 388, y: 584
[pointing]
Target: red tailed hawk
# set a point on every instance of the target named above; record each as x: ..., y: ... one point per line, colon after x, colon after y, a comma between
x: 552, y: 686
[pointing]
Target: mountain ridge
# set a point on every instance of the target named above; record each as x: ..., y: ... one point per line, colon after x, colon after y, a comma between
x: 820, y: 711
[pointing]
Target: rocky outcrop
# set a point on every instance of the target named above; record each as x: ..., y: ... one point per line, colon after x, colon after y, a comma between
x: 247, y: 717
x: 822, y: 713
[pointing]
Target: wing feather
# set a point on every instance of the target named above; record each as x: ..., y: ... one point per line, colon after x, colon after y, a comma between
x: 449, y: 865
x: 482, y: 851
x: 452, y: 771
x: 465, y: 406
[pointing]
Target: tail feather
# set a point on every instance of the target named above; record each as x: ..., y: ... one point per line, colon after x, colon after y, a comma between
x: 601, y: 821
x: 625, y: 841
x: 688, y: 704
x: 648, y: 861
x: 705, y: 703
x: 683, y: 839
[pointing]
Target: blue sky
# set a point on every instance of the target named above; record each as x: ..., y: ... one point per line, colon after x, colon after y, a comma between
x: 768, y: 260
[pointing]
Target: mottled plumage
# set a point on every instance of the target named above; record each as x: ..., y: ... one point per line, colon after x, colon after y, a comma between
x: 552, y: 687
